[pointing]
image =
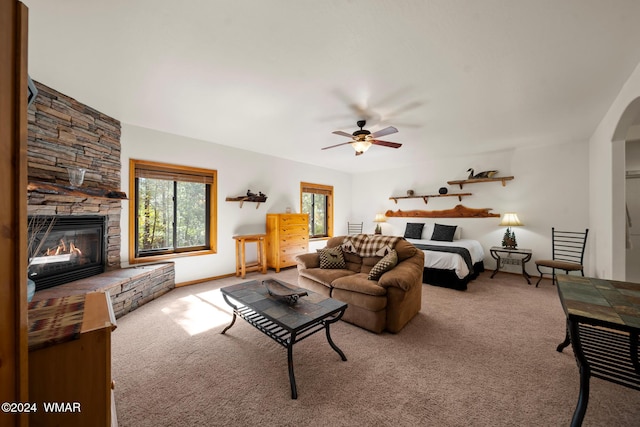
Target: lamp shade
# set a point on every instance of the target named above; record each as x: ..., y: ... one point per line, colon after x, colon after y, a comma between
x: 510, y: 219
x: 361, y: 146
x: 380, y: 218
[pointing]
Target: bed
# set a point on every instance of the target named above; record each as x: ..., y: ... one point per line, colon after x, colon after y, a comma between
x: 449, y: 261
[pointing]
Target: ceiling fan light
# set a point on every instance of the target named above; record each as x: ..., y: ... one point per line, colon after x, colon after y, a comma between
x: 361, y: 146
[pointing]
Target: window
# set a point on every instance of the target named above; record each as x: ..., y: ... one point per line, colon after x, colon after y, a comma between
x: 173, y: 212
x: 317, y: 201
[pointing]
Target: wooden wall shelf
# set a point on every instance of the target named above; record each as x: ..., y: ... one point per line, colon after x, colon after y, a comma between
x: 426, y: 196
x: 458, y: 212
x: 64, y: 190
x: 461, y: 182
x: 243, y: 199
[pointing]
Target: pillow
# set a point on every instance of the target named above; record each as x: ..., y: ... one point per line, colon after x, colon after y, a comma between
x: 384, y: 250
x: 443, y: 233
x: 413, y: 230
x: 331, y: 258
x: 385, y: 264
x: 348, y: 246
x: 458, y: 234
x: 427, y: 231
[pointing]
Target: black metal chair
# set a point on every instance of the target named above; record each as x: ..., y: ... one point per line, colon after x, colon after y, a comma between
x: 567, y: 251
x: 354, y: 227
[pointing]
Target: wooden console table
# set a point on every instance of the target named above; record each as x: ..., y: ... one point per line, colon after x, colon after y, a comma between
x: 241, y: 261
x: 603, y: 324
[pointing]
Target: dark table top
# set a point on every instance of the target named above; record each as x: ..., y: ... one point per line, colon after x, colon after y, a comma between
x: 307, y: 310
x: 603, y: 302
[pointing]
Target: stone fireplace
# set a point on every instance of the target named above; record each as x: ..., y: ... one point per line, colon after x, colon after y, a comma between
x: 63, y: 133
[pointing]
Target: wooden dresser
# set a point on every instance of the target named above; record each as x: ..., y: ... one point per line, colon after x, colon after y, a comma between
x: 287, y: 236
x: 70, y: 361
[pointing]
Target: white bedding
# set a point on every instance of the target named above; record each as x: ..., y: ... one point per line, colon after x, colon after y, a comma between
x: 448, y: 260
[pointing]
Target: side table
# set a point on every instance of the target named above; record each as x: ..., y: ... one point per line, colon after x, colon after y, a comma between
x: 241, y: 261
x: 524, y: 255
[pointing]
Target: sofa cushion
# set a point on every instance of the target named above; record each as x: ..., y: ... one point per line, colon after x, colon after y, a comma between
x: 359, y: 283
x: 368, y: 263
x: 385, y: 264
x: 443, y: 233
x: 331, y: 258
x: 413, y: 230
x: 353, y: 261
x: 325, y: 276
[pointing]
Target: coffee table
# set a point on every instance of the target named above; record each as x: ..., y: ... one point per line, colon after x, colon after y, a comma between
x: 603, y: 326
x: 285, y: 324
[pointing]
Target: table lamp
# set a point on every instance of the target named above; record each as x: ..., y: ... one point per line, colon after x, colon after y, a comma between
x: 378, y: 219
x: 510, y: 219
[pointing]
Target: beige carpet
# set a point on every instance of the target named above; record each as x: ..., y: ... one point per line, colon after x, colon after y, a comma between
x: 484, y: 357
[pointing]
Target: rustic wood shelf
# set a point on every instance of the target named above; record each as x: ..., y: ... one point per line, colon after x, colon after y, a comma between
x: 64, y: 190
x: 243, y: 199
x: 461, y: 182
x: 426, y: 197
x: 457, y: 212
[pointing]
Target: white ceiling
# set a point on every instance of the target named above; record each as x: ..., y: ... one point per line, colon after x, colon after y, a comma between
x: 277, y: 76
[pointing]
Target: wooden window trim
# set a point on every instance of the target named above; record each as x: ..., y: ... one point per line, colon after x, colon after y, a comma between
x: 211, y: 177
x: 327, y: 190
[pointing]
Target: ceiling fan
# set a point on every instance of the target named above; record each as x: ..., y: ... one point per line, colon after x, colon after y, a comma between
x: 363, y: 139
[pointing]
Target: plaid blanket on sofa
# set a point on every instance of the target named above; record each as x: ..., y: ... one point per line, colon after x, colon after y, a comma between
x: 370, y: 245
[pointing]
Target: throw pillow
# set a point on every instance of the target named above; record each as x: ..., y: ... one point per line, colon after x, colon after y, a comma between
x: 348, y: 246
x: 413, y: 230
x: 331, y: 258
x: 384, y: 250
x: 385, y: 264
x: 443, y: 233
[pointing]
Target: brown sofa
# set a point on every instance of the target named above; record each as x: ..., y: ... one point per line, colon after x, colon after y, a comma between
x: 386, y: 304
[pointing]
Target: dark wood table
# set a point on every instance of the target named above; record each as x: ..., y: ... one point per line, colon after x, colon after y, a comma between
x: 603, y: 324
x: 284, y: 323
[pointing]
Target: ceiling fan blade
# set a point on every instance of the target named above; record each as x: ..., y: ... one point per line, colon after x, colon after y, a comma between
x: 382, y: 132
x: 337, y: 145
x: 339, y: 132
x: 386, y: 143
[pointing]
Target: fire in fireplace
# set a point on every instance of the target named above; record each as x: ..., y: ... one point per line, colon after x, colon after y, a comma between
x: 70, y: 248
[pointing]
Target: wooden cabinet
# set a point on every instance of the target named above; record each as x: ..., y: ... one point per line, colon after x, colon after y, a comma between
x: 287, y: 237
x: 74, y: 374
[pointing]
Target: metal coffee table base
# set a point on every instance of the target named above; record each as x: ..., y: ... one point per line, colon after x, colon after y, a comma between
x: 287, y: 338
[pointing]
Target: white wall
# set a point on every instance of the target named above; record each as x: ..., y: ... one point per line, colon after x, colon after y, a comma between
x: 238, y: 170
x: 567, y: 186
x: 549, y: 189
x: 606, y: 187
x: 632, y: 198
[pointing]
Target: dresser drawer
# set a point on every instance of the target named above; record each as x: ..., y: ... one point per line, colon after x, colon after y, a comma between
x: 294, y: 229
x: 294, y: 220
x: 294, y: 250
x: 289, y: 259
x: 294, y: 239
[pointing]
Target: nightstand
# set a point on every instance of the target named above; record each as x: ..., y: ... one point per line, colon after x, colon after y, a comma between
x: 506, y: 256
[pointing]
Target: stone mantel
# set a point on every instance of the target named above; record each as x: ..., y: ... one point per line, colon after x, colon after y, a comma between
x: 65, y: 190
